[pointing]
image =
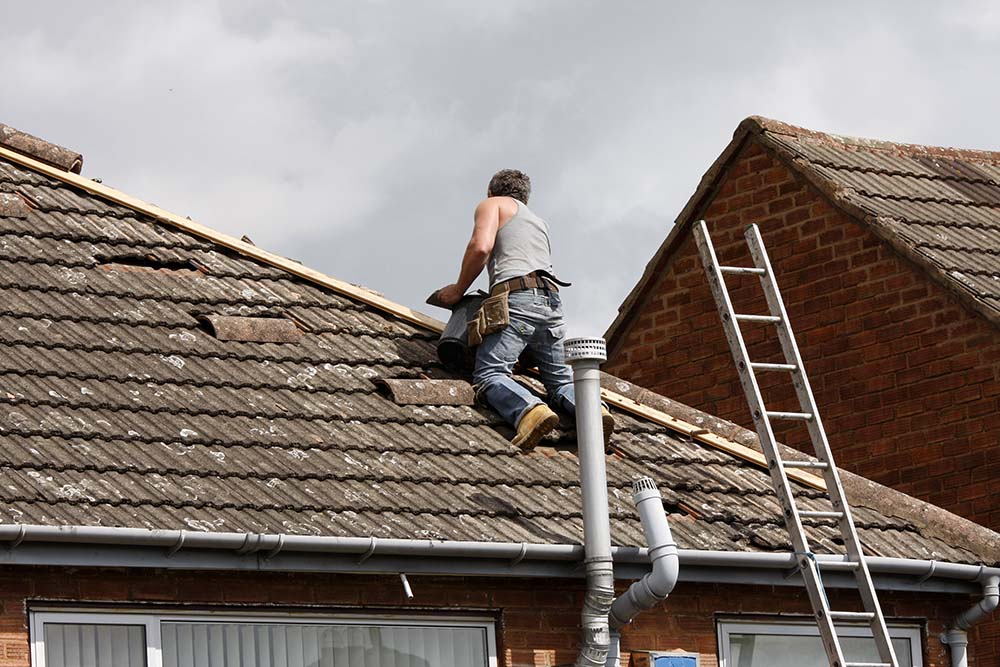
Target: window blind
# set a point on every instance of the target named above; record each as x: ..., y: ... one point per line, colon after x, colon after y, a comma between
x: 188, y: 644
x: 94, y: 645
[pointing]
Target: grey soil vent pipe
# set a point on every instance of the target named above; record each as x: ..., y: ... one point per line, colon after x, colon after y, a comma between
x: 585, y: 356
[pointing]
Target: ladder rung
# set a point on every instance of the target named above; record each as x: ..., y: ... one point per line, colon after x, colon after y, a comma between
x: 852, y: 615
x: 867, y: 664
x: 801, y: 416
x: 821, y: 515
x: 757, y: 318
x: 838, y: 564
x: 772, y: 367
x: 742, y: 269
x: 807, y: 464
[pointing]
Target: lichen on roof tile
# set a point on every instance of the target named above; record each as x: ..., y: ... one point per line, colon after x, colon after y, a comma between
x: 116, y: 409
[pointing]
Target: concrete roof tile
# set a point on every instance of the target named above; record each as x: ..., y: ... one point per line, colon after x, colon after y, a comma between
x: 116, y: 409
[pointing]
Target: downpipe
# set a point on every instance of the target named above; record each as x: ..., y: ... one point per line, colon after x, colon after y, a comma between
x: 957, y: 636
x: 655, y: 585
x: 585, y: 356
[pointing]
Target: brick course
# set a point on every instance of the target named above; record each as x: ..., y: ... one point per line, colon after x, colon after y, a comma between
x: 537, y: 626
x: 907, y: 378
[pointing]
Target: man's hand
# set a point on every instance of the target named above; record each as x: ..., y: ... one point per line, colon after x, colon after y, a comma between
x: 450, y: 295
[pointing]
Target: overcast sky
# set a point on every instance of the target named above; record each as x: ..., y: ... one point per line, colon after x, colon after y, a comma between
x: 359, y: 136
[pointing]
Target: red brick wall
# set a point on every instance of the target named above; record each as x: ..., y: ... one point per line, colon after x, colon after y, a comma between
x: 906, y: 377
x: 537, y: 626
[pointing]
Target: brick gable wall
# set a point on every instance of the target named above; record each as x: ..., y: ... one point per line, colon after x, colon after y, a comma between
x: 537, y: 625
x: 906, y: 377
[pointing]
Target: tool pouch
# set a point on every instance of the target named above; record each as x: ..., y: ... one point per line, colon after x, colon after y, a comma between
x: 493, y: 316
x: 496, y: 313
x: 476, y: 329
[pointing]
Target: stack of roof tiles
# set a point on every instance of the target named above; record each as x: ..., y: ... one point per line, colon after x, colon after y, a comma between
x: 118, y: 408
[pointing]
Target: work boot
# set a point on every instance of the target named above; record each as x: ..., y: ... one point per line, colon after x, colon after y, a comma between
x: 608, y: 421
x: 534, y: 424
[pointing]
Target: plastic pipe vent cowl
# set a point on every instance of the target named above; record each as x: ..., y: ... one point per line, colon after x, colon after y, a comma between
x: 585, y: 349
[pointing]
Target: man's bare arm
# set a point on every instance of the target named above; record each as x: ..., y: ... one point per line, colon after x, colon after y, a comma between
x: 477, y: 252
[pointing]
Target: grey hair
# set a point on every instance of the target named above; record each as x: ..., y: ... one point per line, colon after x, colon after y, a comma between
x: 510, y: 183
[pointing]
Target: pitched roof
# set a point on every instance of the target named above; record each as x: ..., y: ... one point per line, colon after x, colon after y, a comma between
x: 118, y: 407
x: 940, y: 207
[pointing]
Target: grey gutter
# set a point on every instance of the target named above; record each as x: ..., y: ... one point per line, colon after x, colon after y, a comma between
x: 98, y: 546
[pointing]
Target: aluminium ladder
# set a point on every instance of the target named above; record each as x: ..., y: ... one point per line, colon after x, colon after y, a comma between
x: 808, y: 565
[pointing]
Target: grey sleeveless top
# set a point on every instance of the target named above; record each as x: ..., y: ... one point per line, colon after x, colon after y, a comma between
x: 521, y: 246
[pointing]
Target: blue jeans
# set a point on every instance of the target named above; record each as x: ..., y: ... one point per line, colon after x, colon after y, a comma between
x: 536, y: 322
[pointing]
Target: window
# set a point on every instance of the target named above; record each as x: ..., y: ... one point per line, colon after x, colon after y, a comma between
x: 756, y: 644
x: 81, y: 639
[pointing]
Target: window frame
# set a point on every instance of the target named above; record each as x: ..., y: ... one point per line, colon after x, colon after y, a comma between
x: 152, y: 619
x: 803, y: 627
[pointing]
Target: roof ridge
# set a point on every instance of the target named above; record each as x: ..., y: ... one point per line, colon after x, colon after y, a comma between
x: 40, y: 149
x: 759, y: 124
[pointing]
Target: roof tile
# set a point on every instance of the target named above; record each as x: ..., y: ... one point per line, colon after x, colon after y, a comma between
x: 943, y: 204
x: 116, y: 409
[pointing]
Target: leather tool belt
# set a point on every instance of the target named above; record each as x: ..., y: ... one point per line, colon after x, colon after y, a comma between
x: 494, y: 314
x: 534, y: 280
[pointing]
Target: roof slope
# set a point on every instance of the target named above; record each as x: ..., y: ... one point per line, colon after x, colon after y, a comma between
x: 118, y: 409
x: 938, y: 206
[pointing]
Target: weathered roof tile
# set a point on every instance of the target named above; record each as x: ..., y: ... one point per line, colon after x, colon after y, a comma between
x: 934, y: 197
x: 116, y: 409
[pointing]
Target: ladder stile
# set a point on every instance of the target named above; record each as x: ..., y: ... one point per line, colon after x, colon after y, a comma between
x: 808, y: 564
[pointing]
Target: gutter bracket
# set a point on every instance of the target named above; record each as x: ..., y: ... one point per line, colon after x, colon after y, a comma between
x: 274, y: 552
x: 181, y: 537
x: 370, y: 552
x: 930, y: 572
x: 251, y: 543
x: 520, y: 556
x: 22, y: 532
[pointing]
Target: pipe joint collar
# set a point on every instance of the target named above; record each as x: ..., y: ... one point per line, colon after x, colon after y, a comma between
x: 954, y: 638
x: 991, y: 589
x: 662, y: 551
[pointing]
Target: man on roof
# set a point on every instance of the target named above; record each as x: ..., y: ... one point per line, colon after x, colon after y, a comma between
x: 512, y: 243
